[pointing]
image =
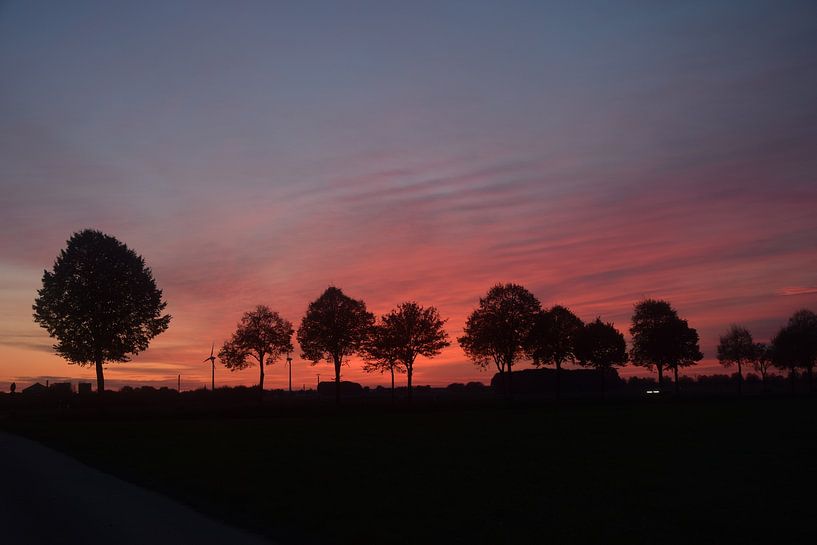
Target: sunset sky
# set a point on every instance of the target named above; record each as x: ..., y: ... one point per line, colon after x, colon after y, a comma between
x: 258, y: 152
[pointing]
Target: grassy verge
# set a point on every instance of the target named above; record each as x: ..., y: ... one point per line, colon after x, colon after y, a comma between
x: 739, y: 471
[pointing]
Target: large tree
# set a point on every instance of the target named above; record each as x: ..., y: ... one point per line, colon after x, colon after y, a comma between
x: 602, y: 346
x: 736, y: 347
x: 795, y: 345
x: 553, y: 338
x: 100, y: 302
x: 662, y: 339
x: 411, y: 331
x: 335, y: 326
x: 262, y: 335
x: 498, y: 330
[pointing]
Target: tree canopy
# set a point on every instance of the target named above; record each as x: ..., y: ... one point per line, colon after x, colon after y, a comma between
x: 763, y: 361
x: 100, y: 301
x: 602, y: 346
x: 262, y: 335
x: 499, y: 329
x: 380, y: 352
x: 736, y: 347
x: 553, y: 338
x: 335, y: 326
x: 795, y: 345
x: 407, y: 332
x: 661, y: 339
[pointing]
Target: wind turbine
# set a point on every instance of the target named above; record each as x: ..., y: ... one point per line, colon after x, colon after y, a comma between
x: 289, y: 364
x: 212, y: 360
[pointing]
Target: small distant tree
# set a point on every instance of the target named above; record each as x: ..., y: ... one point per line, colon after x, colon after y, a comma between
x: 762, y: 361
x: 737, y: 347
x: 661, y: 339
x: 381, y: 354
x: 795, y: 345
x: 262, y: 335
x: 602, y: 346
x: 335, y: 326
x: 100, y: 302
x: 553, y: 339
x: 499, y: 329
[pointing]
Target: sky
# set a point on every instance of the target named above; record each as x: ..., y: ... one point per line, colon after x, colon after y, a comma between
x: 258, y: 152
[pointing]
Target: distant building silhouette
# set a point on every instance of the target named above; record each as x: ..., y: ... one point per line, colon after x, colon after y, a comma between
x: 347, y: 388
x: 543, y: 381
x: 84, y: 388
x: 35, y: 389
x: 61, y: 388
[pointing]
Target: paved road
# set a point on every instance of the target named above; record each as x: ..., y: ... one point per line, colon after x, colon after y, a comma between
x: 49, y: 498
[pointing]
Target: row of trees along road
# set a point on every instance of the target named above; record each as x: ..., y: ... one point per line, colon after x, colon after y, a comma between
x: 334, y: 328
x: 100, y: 301
x: 510, y: 325
x: 793, y: 348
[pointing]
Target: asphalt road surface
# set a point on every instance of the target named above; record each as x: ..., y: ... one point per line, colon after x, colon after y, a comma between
x: 49, y: 498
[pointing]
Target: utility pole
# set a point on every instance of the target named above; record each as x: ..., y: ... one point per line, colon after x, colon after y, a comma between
x: 179, y: 383
x: 319, y: 382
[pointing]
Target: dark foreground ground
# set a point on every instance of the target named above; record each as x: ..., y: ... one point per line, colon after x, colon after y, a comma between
x: 49, y: 498
x: 696, y: 471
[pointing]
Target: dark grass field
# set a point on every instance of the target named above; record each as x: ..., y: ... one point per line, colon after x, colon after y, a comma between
x: 695, y: 471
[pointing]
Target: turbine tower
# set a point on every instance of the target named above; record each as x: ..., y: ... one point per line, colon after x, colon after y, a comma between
x: 212, y: 360
x: 289, y: 364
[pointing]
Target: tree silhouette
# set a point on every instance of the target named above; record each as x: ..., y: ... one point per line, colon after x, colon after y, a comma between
x: 762, y: 361
x: 261, y: 335
x: 662, y: 339
x: 795, y: 345
x: 409, y: 331
x: 499, y: 329
x: 552, y: 340
x: 602, y: 346
x: 737, y: 347
x: 335, y: 326
x: 380, y: 352
x: 100, y: 302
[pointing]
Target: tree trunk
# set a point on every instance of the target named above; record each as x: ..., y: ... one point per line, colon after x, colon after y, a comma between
x: 558, y: 379
x: 602, y: 369
x: 810, y: 370
x: 337, y: 380
x: 793, y: 379
x: 677, y: 386
x: 261, y: 381
x: 100, y: 378
x: 660, y: 376
x: 508, y: 385
x: 740, y: 379
x: 763, y: 380
x: 408, y: 382
x: 392, y: 384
